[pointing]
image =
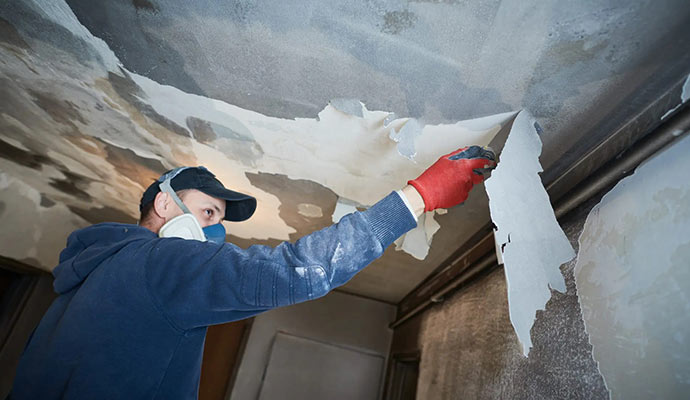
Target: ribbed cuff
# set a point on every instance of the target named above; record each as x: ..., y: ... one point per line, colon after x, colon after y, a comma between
x: 389, y: 219
x: 407, y: 203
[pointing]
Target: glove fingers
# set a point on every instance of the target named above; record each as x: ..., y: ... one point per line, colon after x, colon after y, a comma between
x: 454, y: 153
x: 472, y: 152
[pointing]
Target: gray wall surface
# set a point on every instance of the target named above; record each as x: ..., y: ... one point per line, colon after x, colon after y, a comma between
x: 636, y: 316
x: 338, y: 319
x: 469, y: 349
x: 302, y: 368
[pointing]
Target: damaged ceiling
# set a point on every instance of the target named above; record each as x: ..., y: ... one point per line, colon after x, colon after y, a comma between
x: 312, y: 109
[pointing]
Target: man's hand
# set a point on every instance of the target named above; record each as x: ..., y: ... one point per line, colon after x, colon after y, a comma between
x: 449, y: 180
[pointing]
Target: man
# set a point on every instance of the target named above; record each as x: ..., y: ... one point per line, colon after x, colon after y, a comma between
x: 135, y: 300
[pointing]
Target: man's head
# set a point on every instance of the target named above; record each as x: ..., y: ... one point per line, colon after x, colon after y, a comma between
x: 201, y: 194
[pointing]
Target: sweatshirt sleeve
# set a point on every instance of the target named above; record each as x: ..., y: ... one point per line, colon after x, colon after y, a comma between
x: 200, y: 283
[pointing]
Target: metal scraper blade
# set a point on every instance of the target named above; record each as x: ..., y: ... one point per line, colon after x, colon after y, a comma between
x: 496, y: 144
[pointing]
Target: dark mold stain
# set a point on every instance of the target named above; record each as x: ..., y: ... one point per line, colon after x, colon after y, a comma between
x: 23, y: 157
x: 2, y: 207
x: 293, y: 192
x: 74, y: 184
x: 144, y: 5
x: 139, y: 169
x: 96, y: 215
x: 46, y: 202
x: 395, y: 22
x: 9, y: 35
x: 130, y: 92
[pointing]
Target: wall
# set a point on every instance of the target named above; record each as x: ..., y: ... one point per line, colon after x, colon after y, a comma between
x: 469, y: 348
x: 338, y: 319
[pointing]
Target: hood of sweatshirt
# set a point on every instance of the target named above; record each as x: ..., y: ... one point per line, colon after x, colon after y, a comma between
x: 87, y: 248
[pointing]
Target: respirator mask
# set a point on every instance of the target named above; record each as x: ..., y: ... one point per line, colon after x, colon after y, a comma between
x: 186, y: 226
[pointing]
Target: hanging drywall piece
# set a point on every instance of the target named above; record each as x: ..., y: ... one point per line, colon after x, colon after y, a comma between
x: 633, y: 280
x: 417, y: 242
x: 532, y: 244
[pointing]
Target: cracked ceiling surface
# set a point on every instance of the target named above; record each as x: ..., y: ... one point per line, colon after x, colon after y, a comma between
x: 295, y: 103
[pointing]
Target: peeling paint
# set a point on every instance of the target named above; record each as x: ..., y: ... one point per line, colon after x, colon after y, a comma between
x: 334, y: 142
x: 633, y: 279
x: 305, y: 206
x: 528, y: 237
x: 81, y: 131
x: 348, y: 106
x: 405, y: 137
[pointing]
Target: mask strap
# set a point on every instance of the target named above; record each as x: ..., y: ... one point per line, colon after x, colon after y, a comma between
x: 164, y: 186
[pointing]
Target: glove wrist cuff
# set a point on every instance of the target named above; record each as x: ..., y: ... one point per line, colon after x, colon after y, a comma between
x: 428, y: 206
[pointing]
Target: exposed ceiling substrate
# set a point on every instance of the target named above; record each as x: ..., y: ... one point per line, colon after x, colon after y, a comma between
x: 313, y: 109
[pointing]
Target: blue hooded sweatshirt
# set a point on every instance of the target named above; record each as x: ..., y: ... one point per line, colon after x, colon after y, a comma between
x: 131, y: 316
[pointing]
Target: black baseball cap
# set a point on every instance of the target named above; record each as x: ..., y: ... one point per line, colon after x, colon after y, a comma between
x: 238, y: 206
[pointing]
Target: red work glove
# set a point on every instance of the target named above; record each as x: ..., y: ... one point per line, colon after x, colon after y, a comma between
x: 449, y: 180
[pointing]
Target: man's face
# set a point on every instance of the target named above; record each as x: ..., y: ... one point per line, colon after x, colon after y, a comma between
x: 208, y: 210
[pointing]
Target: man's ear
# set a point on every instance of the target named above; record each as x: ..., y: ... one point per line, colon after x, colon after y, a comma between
x: 161, y: 205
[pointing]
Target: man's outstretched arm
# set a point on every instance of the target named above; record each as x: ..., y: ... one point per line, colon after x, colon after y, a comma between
x: 199, y: 284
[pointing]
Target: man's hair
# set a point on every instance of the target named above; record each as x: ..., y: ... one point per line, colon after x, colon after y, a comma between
x: 147, y: 210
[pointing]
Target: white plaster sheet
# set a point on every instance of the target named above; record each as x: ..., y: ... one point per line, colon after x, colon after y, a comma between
x: 362, y: 159
x: 633, y: 280
x: 532, y: 244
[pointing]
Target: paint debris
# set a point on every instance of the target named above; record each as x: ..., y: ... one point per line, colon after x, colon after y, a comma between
x: 348, y: 106
x: 417, y: 242
x: 530, y: 241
